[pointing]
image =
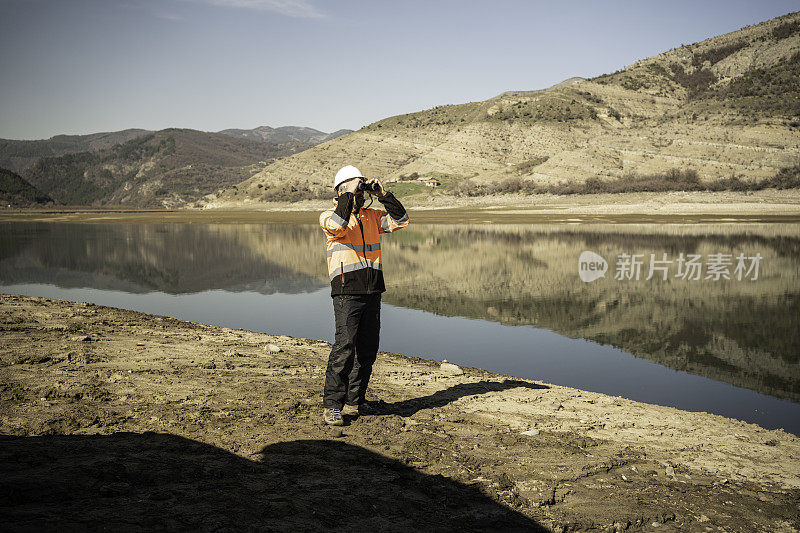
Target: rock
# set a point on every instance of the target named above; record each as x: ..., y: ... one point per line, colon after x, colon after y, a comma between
x: 670, y: 471
x: 80, y: 338
x: 530, y: 432
x: 556, y: 406
x: 139, y: 344
x: 232, y: 353
x: 451, y: 369
x: 337, y: 433
x: 656, y: 524
x: 272, y: 348
x: 210, y: 365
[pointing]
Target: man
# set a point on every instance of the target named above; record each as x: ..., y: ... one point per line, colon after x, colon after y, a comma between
x: 356, y: 274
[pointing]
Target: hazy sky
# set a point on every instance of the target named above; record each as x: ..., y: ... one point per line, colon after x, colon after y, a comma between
x: 82, y: 66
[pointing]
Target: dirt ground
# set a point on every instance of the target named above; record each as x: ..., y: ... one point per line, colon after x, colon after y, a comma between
x: 117, y: 420
x: 769, y: 205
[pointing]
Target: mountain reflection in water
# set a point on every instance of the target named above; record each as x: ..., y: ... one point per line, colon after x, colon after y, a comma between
x: 742, y: 332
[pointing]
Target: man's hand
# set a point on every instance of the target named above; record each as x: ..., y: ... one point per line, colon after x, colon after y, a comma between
x: 380, y: 192
x: 349, y: 185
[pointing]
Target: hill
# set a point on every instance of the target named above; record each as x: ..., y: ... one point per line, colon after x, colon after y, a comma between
x: 285, y: 134
x: 167, y: 168
x: 719, y: 114
x: 19, y: 155
x: 16, y: 192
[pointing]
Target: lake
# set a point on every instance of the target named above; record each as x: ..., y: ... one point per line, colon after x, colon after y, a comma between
x: 703, y: 317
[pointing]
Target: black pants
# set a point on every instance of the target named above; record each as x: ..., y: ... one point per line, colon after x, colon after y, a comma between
x: 358, y: 321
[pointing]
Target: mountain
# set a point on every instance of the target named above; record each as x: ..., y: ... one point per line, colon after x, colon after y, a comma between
x: 724, y: 112
x: 18, y: 155
x: 336, y: 134
x: 167, y: 168
x: 16, y: 192
x: 285, y: 134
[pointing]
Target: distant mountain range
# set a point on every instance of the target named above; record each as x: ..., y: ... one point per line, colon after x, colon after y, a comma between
x: 18, y: 155
x: 166, y: 168
x: 722, y: 111
x: 285, y: 134
x: 142, y: 168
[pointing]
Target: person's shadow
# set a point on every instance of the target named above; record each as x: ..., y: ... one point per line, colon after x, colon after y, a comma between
x: 131, y: 481
x: 441, y: 398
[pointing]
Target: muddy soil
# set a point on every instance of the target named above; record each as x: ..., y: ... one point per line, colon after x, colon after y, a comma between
x: 112, y: 419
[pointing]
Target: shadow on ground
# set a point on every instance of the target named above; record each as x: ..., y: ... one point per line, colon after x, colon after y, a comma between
x: 451, y: 394
x: 131, y: 481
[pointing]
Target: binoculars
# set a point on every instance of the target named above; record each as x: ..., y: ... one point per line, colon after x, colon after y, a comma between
x: 364, y: 186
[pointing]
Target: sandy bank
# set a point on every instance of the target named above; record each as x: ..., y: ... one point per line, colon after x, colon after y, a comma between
x: 238, y: 441
x: 753, y: 206
x: 764, y: 202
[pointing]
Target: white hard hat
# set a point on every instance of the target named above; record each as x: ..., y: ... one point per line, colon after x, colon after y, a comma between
x: 346, y: 173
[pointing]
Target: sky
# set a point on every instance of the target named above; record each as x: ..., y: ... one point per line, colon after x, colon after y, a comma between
x: 85, y: 66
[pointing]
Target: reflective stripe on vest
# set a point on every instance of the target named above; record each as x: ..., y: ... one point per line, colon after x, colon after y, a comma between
x: 356, y: 266
x: 343, y: 246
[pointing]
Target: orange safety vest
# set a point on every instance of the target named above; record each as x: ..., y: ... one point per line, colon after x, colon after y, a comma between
x: 354, y: 246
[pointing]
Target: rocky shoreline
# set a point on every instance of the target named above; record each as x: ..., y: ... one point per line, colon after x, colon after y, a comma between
x: 113, y: 418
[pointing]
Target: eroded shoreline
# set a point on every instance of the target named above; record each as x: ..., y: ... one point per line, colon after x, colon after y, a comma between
x: 588, y: 460
x: 671, y: 207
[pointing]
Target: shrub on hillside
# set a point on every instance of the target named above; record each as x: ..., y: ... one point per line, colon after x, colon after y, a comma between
x: 695, y: 83
x: 715, y: 55
x: 527, y: 166
x: 507, y: 186
x: 771, y: 90
x: 787, y: 29
x: 294, y: 193
x: 672, y: 180
x: 465, y: 188
x: 786, y: 178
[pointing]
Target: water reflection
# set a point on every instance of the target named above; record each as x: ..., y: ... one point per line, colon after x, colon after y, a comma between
x: 743, y: 332
x: 175, y: 259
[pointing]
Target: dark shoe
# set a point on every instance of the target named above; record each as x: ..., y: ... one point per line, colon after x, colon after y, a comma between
x: 332, y: 416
